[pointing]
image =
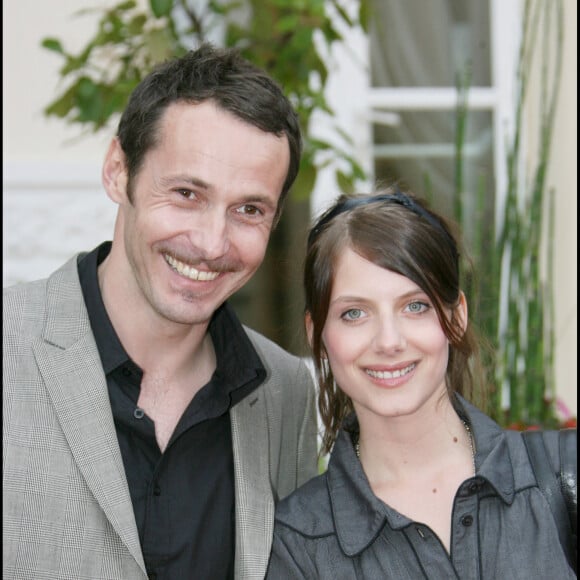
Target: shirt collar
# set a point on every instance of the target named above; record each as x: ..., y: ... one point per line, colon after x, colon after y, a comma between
x: 493, y: 460
x: 360, y: 516
x: 111, y: 351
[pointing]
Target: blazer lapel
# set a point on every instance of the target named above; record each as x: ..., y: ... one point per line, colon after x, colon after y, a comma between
x: 254, y: 500
x: 71, y: 368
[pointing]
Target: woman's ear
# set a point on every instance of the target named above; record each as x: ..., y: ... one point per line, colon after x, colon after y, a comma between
x: 309, y: 328
x: 461, y: 311
x: 308, y: 324
x: 114, y: 173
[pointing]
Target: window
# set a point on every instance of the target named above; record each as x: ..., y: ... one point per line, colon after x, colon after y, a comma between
x: 412, y: 64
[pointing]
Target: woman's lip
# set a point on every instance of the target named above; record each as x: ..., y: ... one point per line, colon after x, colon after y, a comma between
x: 397, y: 372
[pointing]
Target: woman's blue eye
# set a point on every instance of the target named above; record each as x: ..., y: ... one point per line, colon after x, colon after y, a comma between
x: 416, y: 307
x: 353, y: 314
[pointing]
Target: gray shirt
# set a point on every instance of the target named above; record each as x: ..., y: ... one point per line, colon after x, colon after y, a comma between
x: 335, y: 528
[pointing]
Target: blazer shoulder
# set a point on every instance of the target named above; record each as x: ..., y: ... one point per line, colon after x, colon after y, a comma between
x: 307, y: 510
x: 268, y: 347
x: 24, y: 307
x: 65, y: 276
x: 28, y: 306
x: 274, y: 357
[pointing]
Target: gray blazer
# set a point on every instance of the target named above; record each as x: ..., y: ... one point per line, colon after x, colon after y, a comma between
x: 67, y: 512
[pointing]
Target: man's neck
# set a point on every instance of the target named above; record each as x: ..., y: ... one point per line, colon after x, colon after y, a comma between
x: 152, y: 341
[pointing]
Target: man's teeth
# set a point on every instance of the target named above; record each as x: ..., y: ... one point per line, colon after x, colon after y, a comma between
x: 189, y: 271
x: 388, y: 375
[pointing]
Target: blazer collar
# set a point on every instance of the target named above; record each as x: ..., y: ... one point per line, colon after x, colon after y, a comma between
x: 254, y: 499
x: 70, y: 365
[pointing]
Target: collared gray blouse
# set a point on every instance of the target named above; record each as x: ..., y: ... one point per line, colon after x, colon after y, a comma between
x: 335, y: 528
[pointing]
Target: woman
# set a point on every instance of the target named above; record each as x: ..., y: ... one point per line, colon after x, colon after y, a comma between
x: 420, y: 483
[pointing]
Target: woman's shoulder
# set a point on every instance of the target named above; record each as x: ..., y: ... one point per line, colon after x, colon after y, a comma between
x: 307, y: 510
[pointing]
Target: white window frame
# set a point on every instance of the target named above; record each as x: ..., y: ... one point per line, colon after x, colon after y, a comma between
x: 357, y: 105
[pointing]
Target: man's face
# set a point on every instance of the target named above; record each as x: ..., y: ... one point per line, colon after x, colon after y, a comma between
x: 203, y: 206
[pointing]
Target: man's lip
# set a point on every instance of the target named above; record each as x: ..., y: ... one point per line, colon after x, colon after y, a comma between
x: 189, y: 271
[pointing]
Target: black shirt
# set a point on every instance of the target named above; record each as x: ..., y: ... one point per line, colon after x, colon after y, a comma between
x: 183, y: 499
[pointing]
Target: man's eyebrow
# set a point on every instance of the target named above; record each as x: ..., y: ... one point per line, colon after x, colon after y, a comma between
x: 180, y: 179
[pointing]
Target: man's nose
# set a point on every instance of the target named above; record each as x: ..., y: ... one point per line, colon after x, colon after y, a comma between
x: 209, y: 234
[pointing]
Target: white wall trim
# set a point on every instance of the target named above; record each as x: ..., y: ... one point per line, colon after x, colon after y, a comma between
x: 37, y: 174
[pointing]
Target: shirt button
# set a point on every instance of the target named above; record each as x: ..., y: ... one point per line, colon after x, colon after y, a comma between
x: 467, y: 521
x: 138, y: 413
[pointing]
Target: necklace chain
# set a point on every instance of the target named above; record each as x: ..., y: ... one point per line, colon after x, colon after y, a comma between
x: 469, y: 436
x: 471, y: 444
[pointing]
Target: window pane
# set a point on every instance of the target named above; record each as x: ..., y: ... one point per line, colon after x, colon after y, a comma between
x: 420, y: 150
x: 417, y: 43
x: 425, y: 45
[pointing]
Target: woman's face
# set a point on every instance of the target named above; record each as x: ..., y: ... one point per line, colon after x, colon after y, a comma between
x: 384, y: 341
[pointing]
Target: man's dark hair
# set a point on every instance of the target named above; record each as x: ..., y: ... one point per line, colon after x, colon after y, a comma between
x: 208, y: 73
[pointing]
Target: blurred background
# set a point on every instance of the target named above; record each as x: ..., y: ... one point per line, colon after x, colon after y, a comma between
x: 471, y: 103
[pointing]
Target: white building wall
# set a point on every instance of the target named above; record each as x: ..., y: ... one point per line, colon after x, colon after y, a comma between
x: 563, y: 177
x: 53, y: 203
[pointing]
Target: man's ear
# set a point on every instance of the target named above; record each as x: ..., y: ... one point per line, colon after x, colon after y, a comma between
x: 114, y: 173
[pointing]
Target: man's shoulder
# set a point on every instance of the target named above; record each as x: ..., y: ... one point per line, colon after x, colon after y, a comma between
x: 23, y: 295
x: 29, y: 299
x: 281, y: 366
x: 267, y: 348
x: 24, y: 288
x: 67, y: 271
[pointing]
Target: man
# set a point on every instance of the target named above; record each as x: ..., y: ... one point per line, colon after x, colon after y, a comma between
x: 147, y: 433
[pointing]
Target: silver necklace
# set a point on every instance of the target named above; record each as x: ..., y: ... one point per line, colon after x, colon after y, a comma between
x: 469, y: 436
x: 471, y: 444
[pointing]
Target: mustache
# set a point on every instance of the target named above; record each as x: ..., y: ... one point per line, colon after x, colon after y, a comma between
x: 194, y: 257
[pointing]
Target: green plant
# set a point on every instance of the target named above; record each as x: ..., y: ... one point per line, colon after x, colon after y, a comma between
x: 513, y: 297
x: 527, y: 341
x: 278, y: 35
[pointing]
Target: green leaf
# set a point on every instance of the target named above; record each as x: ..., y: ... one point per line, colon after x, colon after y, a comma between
x: 345, y: 182
x: 136, y: 25
x: 62, y: 106
x: 86, y: 88
x: 161, y: 8
x: 73, y: 63
x: 129, y: 5
x: 159, y: 44
x: 52, y: 44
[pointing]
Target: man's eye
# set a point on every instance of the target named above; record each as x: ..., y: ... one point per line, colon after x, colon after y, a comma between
x: 186, y: 193
x: 250, y: 210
